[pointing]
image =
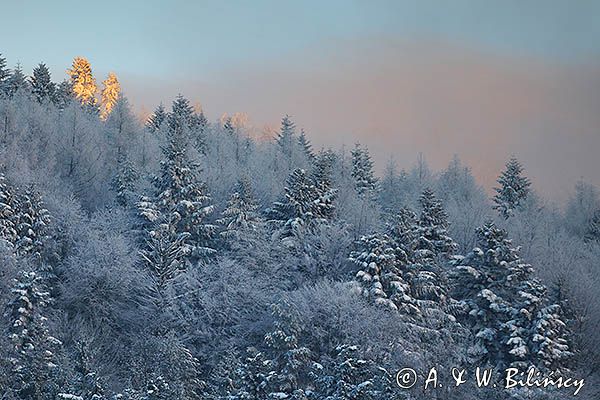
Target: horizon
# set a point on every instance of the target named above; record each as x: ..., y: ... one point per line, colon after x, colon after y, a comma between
x: 483, y: 83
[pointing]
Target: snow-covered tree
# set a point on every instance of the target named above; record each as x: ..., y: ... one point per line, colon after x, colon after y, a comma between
x: 156, y: 119
x: 63, y: 94
x: 241, y: 214
x: 286, y: 136
x: 433, y: 226
x: 305, y: 146
x: 513, y: 189
x: 34, y: 358
x: 16, y: 81
x: 382, y: 268
x: 42, y: 86
x: 124, y: 181
x: 111, y: 91
x: 4, y: 73
x: 8, y: 216
x: 82, y: 81
x: 362, y: 171
x: 33, y: 221
x: 504, y: 305
x: 593, y: 228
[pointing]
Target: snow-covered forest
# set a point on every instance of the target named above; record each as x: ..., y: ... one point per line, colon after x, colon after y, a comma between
x: 182, y: 258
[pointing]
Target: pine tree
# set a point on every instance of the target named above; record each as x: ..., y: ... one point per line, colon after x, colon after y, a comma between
x: 285, y: 137
x: 63, y: 94
x: 513, y: 189
x: 33, y: 221
x: 382, y: 268
x: 300, y: 209
x: 17, y: 81
x: 4, y: 74
x: 305, y: 146
x: 124, y: 181
x: 82, y: 81
x: 164, y: 257
x: 241, y: 212
x: 155, y: 120
x: 362, y: 171
x: 8, y: 214
x: 42, y: 86
x: 180, y: 195
x: 290, y: 360
x: 504, y: 304
x: 34, y: 360
x: 111, y: 92
x: 322, y: 176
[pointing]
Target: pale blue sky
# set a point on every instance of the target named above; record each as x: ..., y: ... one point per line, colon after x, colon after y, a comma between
x: 156, y: 38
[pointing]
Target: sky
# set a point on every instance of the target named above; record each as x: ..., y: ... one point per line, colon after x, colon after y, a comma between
x: 483, y: 79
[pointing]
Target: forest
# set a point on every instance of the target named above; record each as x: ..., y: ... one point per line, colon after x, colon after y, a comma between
x: 182, y: 258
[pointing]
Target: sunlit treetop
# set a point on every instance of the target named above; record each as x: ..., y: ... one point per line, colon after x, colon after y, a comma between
x: 82, y: 80
x: 110, y: 95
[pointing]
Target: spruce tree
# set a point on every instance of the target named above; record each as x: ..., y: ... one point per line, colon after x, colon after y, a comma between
x: 240, y: 215
x: 286, y: 135
x: 42, y: 86
x: 305, y: 146
x: 362, y: 171
x: 155, y: 120
x: 32, y: 226
x: 63, y: 94
x: 513, y: 190
x: 4, y: 74
x: 433, y: 226
x: 124, y: 181
x: 17, y: 81
x: 8, y: 213
x: 35, y: 369
x: 322, y: 176
x: 593, y: 229
x: 382, y: 269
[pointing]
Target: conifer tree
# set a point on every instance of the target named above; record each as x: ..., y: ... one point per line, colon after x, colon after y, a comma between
x: 593, y: 228
x: 63, y: 94
x: 8, y: 214
x: 4, y: 74
x: 82, y: 81
x: 124, y: 181
x: 286, y: 135
x: 513, y: 189
x: 322, y: 176
x: 505, y: 305
x: 362, y: 171
x: 33, y: 221
x: 16, y: 81
x: 305, y: 145
x: 42, y: 86
x: 433, y: 226
x: 382, y: 269
x: 241, y: 212
x: 111, y: 92
x: 34, y: 361
x: 156, y: 119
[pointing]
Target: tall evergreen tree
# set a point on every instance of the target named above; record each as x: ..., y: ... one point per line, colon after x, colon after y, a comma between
x: 286, y: 135
x: 505, y: 305
x: 42, y: 86
x: 63, y: 94
x: 513, y: 189
x: 241, y: 212
x: 362, y: 171
x: 8, y: 212
x: 156, y: 119
x: 305, y: 145
x: 124, y: 181
x: 17, y: 81
x: 4, y: 74
x: 322, y: 176
x: 33, y: 221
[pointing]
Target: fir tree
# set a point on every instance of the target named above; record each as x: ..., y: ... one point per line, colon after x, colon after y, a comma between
x: 305, y: 146
x: 382, y: 268
x: 433, y: 226
x: 42, y: 86
x: 33, y: 221
x: 241, y: 212
x: 4, y: 74
x: 362, y: 171
x: 111, y: 92
x: 17, y: 81
x: 155, y: 120
x: 8, y: 215
x: 34, y: 361
x: 82, y: 82
x: 322, y: 176
x: 286, y: 135
x: 513, y: 189
x: 124, y: 181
